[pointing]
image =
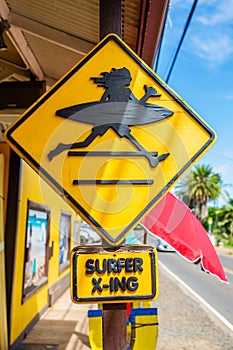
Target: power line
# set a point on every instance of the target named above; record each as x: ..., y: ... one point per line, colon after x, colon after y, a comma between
x: 221, y: 156
x: 181, y: 39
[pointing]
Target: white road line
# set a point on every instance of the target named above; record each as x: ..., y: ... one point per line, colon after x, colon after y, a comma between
x: 197, y: 296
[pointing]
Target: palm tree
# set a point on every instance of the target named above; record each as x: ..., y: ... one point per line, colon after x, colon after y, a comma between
x: 226, y: 222
x: 199, y: 187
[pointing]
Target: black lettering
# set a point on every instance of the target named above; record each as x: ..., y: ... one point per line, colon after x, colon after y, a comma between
x: 96, y: 285
x: 129, y: 265
x: 121, y: 284
x: 89, y: 266
x: 104, y: 266
x: 111, y: 282
x: 112, y: 265
x: 132, y: 283
x: 137, y: 266
x: 120, y: 264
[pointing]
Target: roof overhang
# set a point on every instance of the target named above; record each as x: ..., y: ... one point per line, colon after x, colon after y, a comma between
x: 46, y: 39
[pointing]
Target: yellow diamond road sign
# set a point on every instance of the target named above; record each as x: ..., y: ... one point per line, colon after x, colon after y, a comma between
x: 111, y: 138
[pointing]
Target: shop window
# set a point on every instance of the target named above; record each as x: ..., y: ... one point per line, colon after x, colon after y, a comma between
x: 36, y: 248
x: 65, y: 234
x: 76, y: 232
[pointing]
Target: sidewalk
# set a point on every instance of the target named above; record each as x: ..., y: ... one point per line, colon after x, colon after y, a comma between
x: 64, y: 326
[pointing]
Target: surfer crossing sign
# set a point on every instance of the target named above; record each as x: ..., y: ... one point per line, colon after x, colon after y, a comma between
x: 111, y: 138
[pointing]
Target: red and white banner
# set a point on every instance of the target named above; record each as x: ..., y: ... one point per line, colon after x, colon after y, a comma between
x: 175, y: 223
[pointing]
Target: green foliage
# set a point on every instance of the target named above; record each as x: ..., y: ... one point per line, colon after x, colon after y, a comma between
x: 199, y: 187
x: 222, y: 222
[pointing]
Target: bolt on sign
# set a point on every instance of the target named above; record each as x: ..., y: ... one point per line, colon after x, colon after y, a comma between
x: 111, y: 138
x: 128, y: 274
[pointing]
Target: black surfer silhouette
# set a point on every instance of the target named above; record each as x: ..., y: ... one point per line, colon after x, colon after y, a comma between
x: 117, y: 109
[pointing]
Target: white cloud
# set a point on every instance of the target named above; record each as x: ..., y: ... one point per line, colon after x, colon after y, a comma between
x: 210, y: 33
x: 213, y: 50
x: 225, y: 170
x: 223, y: 12
x: 182, y: 2
x: 228, y: 97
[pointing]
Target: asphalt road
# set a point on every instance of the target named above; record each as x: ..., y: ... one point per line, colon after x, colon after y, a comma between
x: 217, y: 294
x: 227, y: 263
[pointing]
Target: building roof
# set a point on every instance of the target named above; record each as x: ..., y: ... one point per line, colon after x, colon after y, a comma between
x: 47, y: 38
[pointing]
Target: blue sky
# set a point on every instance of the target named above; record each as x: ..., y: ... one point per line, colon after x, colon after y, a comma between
x: 203, y: 72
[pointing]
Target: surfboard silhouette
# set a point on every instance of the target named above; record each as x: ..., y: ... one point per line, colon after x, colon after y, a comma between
x: 117, y: 109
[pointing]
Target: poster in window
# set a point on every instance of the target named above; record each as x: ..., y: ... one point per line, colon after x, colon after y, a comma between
x: 65, y: 230
x: 35, y: 252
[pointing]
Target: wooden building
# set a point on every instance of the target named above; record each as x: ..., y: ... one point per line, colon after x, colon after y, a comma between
x: 40, y: 41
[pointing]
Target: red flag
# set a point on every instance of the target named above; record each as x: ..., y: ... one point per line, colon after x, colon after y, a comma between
x: 175, y: 223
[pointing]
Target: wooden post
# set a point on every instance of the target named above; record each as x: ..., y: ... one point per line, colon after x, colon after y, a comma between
x: 110, y: 17
x: 114, y: 326
x: 145, y: 237
x: 114, y: 315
